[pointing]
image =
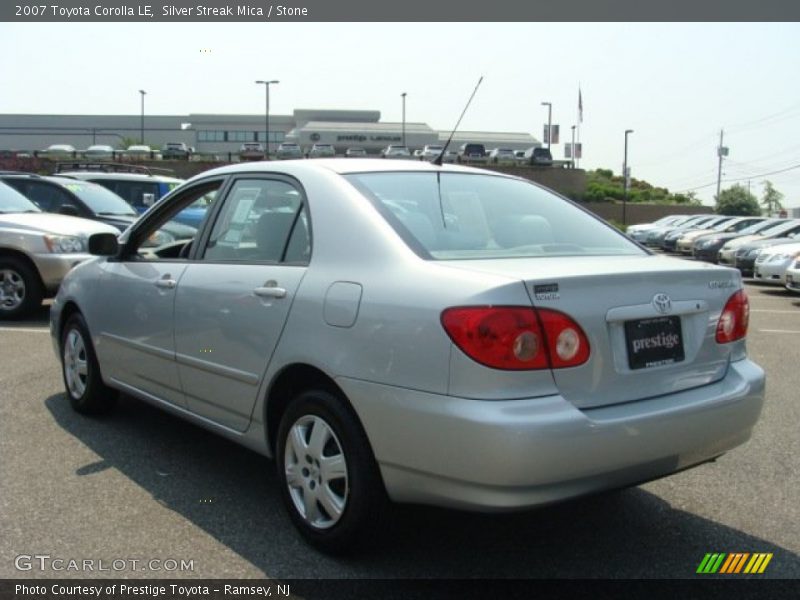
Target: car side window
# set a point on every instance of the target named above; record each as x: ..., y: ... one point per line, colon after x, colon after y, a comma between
x: 262, y: 220
x: 147, y: 242
x: 48, y: 197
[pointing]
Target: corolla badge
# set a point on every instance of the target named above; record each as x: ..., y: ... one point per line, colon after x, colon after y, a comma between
x: 662, y: 303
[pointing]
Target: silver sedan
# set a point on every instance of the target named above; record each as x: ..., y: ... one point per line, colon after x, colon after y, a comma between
x: 397, y: 330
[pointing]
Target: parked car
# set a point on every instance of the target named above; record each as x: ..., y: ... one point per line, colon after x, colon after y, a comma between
x: 176, y: 151
x: 639, y: 231
x: 36, y: 251
x: 141, y: 190
x: 288, y: 150
x: 772, y: 262
x: 520, y: 377
x: 655, y: 237
x: 321, y: 151
x: 471, y: 153
x: 251, y: 151
x: 99, y: 151
x: 355, y: 152
x: 139, y: 152
x: 670, y: 243
x: 793, y: 277
x: 729, y: 252
x: 88, y: 200
x: 56, y: 151
x: 450, y: 156
x: 539, y: 157
x: 431, y: 151
x: 747, y: 254
x: 706, y: 247
x: 501, y: 155
x: 395, y: 151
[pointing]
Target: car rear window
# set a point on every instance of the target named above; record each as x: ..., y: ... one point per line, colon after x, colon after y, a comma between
x: 450, y: 216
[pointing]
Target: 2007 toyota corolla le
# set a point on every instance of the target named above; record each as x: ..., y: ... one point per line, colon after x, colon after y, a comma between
x: 412, y: 332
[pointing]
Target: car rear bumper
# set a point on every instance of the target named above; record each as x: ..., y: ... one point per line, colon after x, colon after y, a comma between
x: 505, y: 455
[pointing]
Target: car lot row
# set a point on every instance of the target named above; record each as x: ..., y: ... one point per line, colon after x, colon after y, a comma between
x: 467, y: 153
x: 762, y: 248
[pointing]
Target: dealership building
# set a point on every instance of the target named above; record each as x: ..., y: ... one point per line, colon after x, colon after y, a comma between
x: 209, y: 133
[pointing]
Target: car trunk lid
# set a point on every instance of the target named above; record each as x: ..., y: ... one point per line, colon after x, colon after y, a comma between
x: 651, y: 321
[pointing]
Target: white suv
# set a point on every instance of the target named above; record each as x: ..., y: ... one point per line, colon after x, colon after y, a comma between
x: 36, y: 251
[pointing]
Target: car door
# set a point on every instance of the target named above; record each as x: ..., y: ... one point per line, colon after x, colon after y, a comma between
x: 134, y: 319
x: 233, y: 300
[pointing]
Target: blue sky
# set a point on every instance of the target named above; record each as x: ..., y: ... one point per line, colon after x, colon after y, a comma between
x: 675, y: 85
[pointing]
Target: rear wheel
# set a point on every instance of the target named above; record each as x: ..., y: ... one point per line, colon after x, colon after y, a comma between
x: 331, y: 485
x: 85, y: 388
x: 21, y: 290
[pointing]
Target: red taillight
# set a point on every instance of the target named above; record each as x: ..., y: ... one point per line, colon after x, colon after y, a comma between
x: 735, y: 317
x: 516, y: 337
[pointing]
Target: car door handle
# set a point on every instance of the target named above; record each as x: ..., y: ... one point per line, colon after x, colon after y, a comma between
x: 270, y: 292
x: 166, y: 284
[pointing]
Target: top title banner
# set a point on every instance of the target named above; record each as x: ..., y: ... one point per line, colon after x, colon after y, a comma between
x: 398, y: 10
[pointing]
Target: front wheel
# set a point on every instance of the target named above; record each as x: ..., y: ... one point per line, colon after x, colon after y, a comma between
x: 330, y: 481
x: 21, y: 289
x: 85, y: 388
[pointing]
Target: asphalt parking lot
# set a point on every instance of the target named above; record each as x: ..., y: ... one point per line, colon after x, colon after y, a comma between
x: 141, y: 485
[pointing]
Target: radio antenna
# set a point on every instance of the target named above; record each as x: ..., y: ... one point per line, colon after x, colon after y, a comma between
x: 438, y: 159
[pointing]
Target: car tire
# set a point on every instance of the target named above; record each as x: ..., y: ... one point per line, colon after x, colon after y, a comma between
x: 81, y: 373
x: 21, y: 289
x: 330, y: 482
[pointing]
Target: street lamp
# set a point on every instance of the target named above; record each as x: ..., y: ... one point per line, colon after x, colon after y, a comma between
x: 141, y: 124
x: 403, y: 95
x: 549, y: 106
x: 266, y: 114
x: 625, y: 180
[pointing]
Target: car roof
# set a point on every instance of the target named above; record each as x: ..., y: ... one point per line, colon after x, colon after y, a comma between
x: 344, y: 166
x: 98, y: 175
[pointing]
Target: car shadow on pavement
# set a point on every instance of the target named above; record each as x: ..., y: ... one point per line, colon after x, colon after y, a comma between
x: 39, y: 317
x: 232, y: 494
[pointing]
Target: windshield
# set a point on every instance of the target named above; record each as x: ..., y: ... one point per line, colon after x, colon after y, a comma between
x: 447, y: 216
x: 781, y: 228
x: 11, y: 201
x: 755, y: 227
x: 100, y: 200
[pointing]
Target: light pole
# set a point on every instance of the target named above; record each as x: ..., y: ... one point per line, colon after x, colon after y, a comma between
x: 403, y: 95
x: 573, y: 147
x: 266, y: 115
x: 549, y: 106
x: 625, y: 180
x: 141, y: 123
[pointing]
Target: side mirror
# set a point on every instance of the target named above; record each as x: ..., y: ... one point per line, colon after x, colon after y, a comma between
x: 148, y: 199
x: 68, y: 209
x: 103, y: 244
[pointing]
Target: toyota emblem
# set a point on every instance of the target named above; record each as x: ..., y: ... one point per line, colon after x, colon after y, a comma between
x: 662, y: 303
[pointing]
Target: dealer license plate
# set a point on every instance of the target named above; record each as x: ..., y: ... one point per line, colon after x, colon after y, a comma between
x: 654, y: 342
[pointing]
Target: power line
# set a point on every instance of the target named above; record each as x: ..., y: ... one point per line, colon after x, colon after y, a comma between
x: 699, y: 187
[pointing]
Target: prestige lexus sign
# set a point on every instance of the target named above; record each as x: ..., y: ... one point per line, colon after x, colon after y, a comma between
x: 369, y: 138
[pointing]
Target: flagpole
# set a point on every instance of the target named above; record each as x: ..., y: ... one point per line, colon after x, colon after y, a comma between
x: 580, y: 120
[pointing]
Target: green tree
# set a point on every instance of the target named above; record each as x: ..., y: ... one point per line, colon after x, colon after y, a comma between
x: 771, y: 199
x: 737, y: 201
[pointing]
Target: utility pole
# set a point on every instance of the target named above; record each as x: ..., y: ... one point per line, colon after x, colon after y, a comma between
x: 721, y: 151
x: 625, y: 179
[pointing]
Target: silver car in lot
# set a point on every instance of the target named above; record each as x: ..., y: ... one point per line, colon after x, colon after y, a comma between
x: 398, y: 330
x: 36, y: 250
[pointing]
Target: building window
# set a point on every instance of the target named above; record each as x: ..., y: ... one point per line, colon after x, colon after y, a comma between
x: 205, y: 135
x: 275, y: 137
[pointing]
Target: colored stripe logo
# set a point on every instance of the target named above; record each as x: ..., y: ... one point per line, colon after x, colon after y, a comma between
x: 734, y: 563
